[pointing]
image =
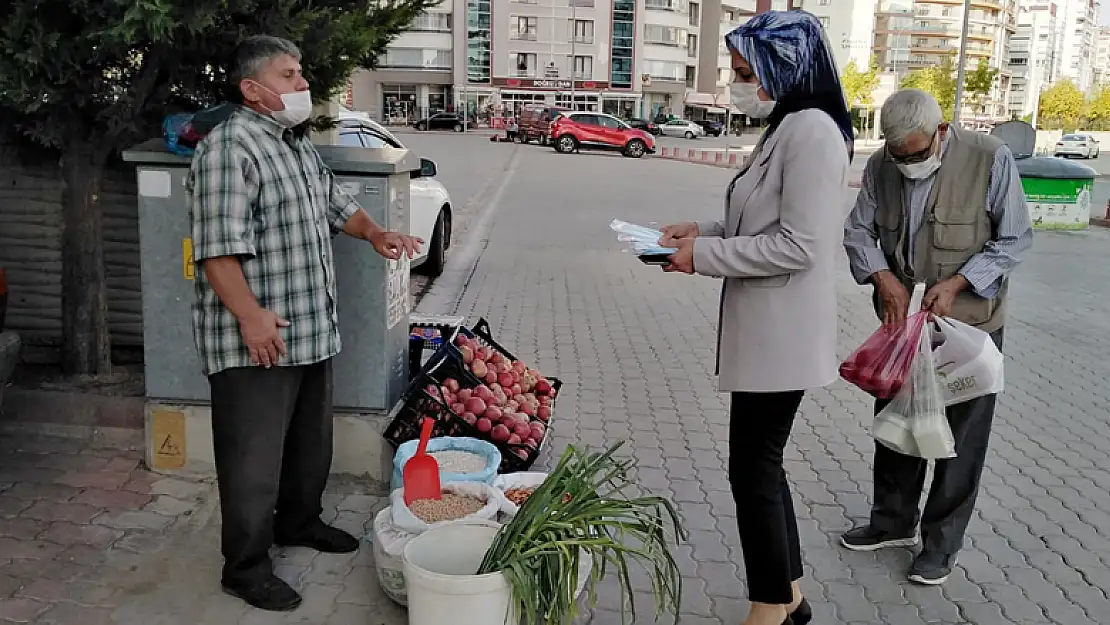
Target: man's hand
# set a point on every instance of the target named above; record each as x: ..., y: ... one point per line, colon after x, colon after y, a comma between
x: 674, y: 232
x: 392, y: 245
x: 682, y: 260
x: 894, y: 296
x: 262, y: 338
x: 939, y: 299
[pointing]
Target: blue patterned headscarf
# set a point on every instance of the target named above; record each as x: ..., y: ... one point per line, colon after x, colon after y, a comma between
x: 788, y: 52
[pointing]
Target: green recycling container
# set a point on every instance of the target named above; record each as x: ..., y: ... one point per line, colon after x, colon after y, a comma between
x: 1058, y: 192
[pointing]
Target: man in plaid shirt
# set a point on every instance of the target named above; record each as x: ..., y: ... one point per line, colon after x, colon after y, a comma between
x: 264, y: 208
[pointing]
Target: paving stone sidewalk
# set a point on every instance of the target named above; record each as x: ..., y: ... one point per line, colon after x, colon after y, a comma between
x: 635, y: 348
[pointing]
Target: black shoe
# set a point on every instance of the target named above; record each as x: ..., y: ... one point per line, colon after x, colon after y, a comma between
x: 867, y: 538
x: 272, y: 594
x: 801, y: 615
x: 321, y: 537
x: 931, y: 569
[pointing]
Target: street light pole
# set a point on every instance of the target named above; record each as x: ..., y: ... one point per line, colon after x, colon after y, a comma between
x: 960, y: 70
x: 573, y: 50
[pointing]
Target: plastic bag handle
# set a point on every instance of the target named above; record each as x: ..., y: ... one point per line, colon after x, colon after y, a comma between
x: 916, y: 298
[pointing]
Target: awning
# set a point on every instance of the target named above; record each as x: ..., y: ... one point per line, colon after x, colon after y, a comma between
x: 718, y: 104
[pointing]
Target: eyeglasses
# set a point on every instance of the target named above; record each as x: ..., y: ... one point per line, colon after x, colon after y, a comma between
x: 916, y: 157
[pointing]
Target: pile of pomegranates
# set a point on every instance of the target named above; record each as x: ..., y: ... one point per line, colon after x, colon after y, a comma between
x: 513, y: 403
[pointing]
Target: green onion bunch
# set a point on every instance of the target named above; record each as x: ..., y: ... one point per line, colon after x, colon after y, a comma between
x: 584, y: 506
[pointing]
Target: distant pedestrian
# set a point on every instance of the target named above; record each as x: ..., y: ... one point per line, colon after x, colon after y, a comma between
x: 264, y: 208
x: 777, y: 248
x: 511, y: 129
x: 944, y: 206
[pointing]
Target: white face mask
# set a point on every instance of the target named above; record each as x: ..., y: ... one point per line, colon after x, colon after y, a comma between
x: 298, y: 107
x: 745, y: 96
x: 919, y: 171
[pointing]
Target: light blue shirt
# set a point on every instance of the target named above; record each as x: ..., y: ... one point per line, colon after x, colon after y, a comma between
x: 985, y: 271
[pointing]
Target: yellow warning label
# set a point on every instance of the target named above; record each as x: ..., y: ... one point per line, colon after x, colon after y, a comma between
x: 187, y: 253
x: 167, y: 437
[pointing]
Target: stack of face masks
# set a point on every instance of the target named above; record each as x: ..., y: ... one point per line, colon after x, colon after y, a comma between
x: 642, y: 240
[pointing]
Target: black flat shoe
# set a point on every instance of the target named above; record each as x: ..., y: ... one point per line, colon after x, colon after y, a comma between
x: 801, y: 615
x: 321, y: 537
x: 272, y: 594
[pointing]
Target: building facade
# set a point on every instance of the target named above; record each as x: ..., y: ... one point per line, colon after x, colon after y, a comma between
x: 849, y: 26
x: 912, y: 35
x: 1034, y: 53
x: 1100, y: 65
x: 1077, y: 31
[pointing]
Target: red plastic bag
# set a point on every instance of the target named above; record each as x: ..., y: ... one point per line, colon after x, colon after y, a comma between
x: 882, y: 364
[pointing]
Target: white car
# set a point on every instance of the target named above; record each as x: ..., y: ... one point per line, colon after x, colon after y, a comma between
x: 430, y: 208
x: 682, y: 128
x: 1081, y: 145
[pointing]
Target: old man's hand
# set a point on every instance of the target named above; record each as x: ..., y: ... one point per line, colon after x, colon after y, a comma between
x: 683, y: 259
x: 940, y: 298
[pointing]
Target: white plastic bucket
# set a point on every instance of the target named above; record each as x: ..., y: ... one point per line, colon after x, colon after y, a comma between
x: 440, y: 567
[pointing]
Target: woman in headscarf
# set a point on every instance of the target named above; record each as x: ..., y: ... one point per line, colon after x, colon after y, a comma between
x: 777, y: 249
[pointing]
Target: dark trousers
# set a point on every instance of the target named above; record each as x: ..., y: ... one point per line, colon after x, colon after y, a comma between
x: 899, y: 479
x: 272, y: 433
x: 759, y: 425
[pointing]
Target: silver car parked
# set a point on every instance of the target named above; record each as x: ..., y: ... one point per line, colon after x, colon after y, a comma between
x: 682, y: 128
x: 1078, y: 145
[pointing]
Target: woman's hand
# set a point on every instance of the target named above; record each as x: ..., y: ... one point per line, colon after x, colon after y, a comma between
x: 683, y: 259
x: 674, y: 232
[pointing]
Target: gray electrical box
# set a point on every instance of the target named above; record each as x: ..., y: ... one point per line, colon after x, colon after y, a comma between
x: 371, y: 369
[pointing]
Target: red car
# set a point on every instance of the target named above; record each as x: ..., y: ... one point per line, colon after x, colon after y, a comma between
x: 580, y: 129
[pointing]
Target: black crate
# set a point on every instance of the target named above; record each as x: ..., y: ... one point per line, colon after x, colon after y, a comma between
x: 447, y: 327
x: 420, y: 404
x: 481, y: 331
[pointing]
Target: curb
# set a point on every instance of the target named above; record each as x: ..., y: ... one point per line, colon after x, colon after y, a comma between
x: 715, y: 158
x: 1100, y: 222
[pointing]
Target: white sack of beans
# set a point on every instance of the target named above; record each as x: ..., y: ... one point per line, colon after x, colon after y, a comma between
x: 406, y: 521
x: 389, y: 543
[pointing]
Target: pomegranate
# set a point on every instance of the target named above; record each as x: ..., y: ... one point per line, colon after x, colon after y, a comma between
x: 458, y: 408
x: 505, y: 379
x: 479, y: 369
x: 452, y: 385
x: 467, y: 354
x: 491, y: 377
x: 499, y: 433
x: 522, y: 429
x: 469, y: 418
x: 521, y: 453
x: 543, y: 413
x: 545, y: 400
x: 528, y: 409
x: 531, y: 443
x: 475, y: 405
x: 484, y: 425
x: 543, y: 387
x: 465, y: 393
x: 493, y: 413
x: 461, y: 340
x: 513, y: 439
x: 482, y: 353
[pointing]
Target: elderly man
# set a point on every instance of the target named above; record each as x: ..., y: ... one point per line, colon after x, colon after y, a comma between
x: 943, y: 206
x: 264, y: 208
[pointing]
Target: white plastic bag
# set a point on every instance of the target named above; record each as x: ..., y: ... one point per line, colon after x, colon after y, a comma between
x: 969, y: 364
x: 914, y: 423
x: 524, y: 479
x: 389, y: 543
x: 406, y: 521
x: 643, y: 240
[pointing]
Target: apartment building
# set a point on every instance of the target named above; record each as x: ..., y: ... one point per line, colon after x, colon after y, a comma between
x: 1101, y: 62
x: 1077, y: 31
x: 849, y: 26
x: 911, y: 35
x: 669, y: 52
x: 1033, y: 60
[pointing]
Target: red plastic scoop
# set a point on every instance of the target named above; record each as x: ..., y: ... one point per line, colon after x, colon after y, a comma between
x: 421, y: 475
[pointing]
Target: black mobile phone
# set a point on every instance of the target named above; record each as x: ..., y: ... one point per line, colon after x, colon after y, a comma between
x: 655, y: 259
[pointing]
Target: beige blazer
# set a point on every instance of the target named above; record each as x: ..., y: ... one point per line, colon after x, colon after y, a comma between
x: 777, y: 249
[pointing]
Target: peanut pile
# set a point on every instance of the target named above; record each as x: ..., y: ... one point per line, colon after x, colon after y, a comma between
x: 519, y: 495
x: 448, y: 508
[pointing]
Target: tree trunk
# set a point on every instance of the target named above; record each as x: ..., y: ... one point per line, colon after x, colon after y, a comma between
x: 86, y: 343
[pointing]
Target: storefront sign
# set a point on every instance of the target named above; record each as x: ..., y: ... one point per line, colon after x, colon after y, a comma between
x: 552, y: 84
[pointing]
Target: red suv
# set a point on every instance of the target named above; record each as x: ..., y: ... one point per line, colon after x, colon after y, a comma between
x: 579, y: 129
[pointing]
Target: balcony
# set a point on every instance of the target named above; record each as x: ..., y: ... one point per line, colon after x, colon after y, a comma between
x: 677, y: 6
x: 523, y: 36
x: 522, y: 73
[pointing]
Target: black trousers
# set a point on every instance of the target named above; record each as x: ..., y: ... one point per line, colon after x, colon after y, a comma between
x: 272, y: 433
x: 759, y: 426
x: 899, y: 479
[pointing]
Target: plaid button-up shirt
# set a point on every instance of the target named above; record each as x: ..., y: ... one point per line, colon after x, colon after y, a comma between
x: 263, y: 194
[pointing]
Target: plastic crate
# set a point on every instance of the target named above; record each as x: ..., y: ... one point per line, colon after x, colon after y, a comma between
x: 427, y: 333
x: 421, y: 404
